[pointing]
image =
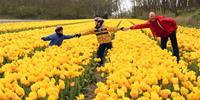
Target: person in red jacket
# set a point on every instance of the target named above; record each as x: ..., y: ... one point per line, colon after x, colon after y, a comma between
x: 162, y: 27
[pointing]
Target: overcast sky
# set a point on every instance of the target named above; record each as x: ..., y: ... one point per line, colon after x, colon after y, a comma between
x: 126, y: 5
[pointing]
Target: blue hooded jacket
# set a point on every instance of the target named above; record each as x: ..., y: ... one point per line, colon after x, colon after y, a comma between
x: 56, y: 39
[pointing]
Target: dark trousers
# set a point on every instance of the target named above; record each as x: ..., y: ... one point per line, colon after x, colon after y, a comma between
x: 101, y: 51
x: 173, y: 42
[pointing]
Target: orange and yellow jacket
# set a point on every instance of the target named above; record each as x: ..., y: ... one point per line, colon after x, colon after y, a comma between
x: 103, y: 33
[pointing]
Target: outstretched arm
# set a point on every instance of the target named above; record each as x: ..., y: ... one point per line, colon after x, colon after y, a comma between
x: 138, y: 26
x: 47, y: 38
x: 113, y: 29
x: 89, y: 32
x: 71, y: 36
x: 68, y: 36
x: 141, y: 26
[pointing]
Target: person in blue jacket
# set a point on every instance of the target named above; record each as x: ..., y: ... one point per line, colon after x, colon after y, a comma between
x: 58, y: 37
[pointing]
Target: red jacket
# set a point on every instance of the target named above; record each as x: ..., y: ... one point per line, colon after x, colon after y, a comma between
x: 162, y: 27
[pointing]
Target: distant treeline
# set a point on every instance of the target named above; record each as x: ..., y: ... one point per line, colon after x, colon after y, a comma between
x: 57, y: 9
x: 73, y: 9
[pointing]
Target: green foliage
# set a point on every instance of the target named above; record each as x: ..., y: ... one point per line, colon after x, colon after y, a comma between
x: 26, y: 12
x: 57, y: 9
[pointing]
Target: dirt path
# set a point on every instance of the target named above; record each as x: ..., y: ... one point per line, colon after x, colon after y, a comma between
x: 17, y: 20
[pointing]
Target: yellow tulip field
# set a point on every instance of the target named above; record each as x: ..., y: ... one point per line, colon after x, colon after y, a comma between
x: 136, y: 68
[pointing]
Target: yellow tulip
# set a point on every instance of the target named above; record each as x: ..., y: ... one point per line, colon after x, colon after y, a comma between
x: 176, y: 87
x: 134, y: 64
x: 165, y: 81
x: 184, y: 91
x: 80, y: 97
x: 62, y: 84
x: 156, y: 88
x: 147, y: 94
x: 120, y: 93
x: 174, y: 94
x: 35, y: 87
x: 124, y: 98
x: 51, y: 97
x: 134, y: 93
x: 32, y: 78
x: 165, y: 93
x: 174, y: 80
x: 155, y: 96
x: 33, y: 95
x: 72, y: 84
x: 41, y: 93
x: 193, y: 96
x: 179, y: 98
x: 97, y: 59
x: 20, y: 91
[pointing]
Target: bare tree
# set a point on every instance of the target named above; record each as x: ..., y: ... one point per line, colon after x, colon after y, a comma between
x: 164, y: 6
